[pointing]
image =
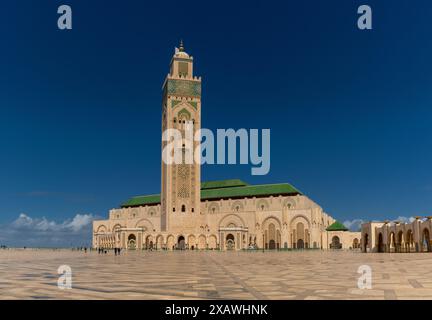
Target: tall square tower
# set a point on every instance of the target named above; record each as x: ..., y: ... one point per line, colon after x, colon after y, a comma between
x: 181, y: 109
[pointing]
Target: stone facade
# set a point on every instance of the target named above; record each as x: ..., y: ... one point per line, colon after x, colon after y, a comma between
x: 397, y: 237
x: 272, y: 223
x: 274, y: 217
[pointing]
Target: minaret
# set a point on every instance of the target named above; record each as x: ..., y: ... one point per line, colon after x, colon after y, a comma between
x: 180, y: 196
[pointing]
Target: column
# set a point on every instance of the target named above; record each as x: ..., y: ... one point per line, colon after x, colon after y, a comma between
x: 139, y: 241
x: 238, y: 241
x: 123, y: 242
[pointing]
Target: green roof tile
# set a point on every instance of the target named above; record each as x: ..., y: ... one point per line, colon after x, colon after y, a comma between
x: 337, y: 226
x: 223, y: 190
x: 142, y: 201
x: 223, y: 184
x: 249, y: 191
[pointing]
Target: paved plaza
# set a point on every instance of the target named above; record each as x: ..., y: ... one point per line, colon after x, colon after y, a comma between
x: 32, y: 274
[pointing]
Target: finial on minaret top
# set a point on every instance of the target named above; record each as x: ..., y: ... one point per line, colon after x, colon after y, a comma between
x: 180, y: 51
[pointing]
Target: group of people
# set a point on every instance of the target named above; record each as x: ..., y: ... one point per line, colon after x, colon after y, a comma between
x: 102, y: 251
x: 117, y: 251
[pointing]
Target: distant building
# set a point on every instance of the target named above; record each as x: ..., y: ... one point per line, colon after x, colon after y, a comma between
x: 397, y: 237
x: 224, y: 215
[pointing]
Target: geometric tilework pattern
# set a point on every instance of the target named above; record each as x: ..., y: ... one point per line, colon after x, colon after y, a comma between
x: 214, y: 275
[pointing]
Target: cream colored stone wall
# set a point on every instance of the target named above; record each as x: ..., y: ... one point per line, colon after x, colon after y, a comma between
x: 397, y: 237
x: 271, y: 223
x: 347, y: 239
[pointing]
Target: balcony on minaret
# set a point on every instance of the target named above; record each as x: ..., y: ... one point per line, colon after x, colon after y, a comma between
x: 180, y: 81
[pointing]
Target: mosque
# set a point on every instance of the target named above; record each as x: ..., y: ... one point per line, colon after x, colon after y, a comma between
x: 217, y: 215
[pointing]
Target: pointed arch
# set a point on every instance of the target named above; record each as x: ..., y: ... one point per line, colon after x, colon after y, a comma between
x: 262, y: 205
x: 183, y: 110
x: 202, y: 242
x: 212, y: 242
x: 184, y: 113
x: 159, y: 242
x: 145, y: 224
x: 237, y: 206
x: 232, y: 219
x: 170, y: 242
x: 213, y: 208
x: 101, y: 229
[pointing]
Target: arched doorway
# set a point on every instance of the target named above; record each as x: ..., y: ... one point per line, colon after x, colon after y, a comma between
x: 272, y: 245
x: 149, y: 243
x: 272, y: 237
x: 202, y: 242
x: 426, y: 243
x: 230, y: 242
x: 300, y: 235
x: 400, y: 246
x: 131, y: 242
x: 170, y: 242
x: 191, y: 242
x: 300, y: 244
x: 380, y: 243
x: 159, y: 242
x: 335, y: 243
x: 212, y: 242
x: 356, y: 244
x: 181, y: 243
x: 409, y: 241
x: 366, y: 242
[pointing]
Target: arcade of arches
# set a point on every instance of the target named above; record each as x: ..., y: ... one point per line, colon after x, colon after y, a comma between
x: 232, y: 235
x: 397, y: 237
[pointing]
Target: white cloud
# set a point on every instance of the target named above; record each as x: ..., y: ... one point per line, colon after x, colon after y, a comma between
x: 80, y: 221
x: 354, y: 225
x: 41, y: 232
x: 405, y: 219
x: 23, y: 221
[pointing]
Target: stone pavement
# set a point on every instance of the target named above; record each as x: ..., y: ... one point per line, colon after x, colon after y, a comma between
x: 32, y: 274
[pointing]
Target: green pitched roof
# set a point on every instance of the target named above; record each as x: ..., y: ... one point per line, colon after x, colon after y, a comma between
x: 142, y: 201
x: 223, y: 184
x: 249, y: 191
x: 337, y: 226
x: 223, y: 190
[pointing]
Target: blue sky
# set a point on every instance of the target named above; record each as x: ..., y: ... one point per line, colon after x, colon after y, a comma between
x: 349, y: 110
